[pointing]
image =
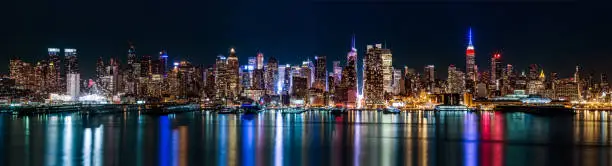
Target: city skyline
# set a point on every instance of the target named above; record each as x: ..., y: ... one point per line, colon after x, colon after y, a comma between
x: 418, y: 34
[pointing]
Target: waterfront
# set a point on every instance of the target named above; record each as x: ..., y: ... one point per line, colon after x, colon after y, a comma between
x: 310, y: 138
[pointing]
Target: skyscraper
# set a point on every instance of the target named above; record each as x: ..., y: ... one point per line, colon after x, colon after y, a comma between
x: 387, y: 69
x: 221, y: 78
x: 496, y: 69
x: 455, y: 80
x: 163, y: 62
x: 320, y: 73
x: 233, y: 75
x: 348, y: 91
x: 287, y: 80
x: 374, y: 87
x: 260, y: 60
x: 429, y: 77
x: 470, y: 59
x: 271, y: 76
x: 397, y: 77
x: 258, y: 82
x: 72, y: 73
x: 54, y: 73
x: 131, y: 56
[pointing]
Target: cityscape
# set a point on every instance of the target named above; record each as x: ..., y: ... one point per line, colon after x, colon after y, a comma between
x: 226, y: 83
x: 302, y: 82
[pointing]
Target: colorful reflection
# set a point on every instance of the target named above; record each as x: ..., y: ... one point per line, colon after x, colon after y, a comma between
x: 311, y: 138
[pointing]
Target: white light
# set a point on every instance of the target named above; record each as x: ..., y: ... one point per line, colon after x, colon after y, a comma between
x: 69, y: 50
x: 55, y: 50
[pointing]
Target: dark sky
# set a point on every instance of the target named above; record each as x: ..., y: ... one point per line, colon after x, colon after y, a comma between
x: 556, y: 35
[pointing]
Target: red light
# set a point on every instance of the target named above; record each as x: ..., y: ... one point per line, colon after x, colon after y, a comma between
x: 497, y: 56
x: 469, y: 52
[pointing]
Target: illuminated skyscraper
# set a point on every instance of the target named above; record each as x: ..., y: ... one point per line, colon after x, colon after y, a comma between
x: 221, y: 78
x: 131, y: 56
x: 258, y: 82
x: 387, y: 68
x: 54, y: 73
x: 233, y: 75
x: 72, y: 73
x: 496, y: 69
x: 337, y: 73
x: 397, y: 77
x: 470, y: 59
x: 22, y: 73
x: 163, y: 62
x: 374, y: 87
x: 320, y: 73
x: 306, y: 72
x: 271, y: 76
x: 287, y: 80
x: 348, y: 91
x: 455, y: 80
x: 429, y: 77
x: 260, y: 60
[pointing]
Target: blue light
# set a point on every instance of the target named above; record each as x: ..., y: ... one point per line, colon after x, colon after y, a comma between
x: 470, y: 36
x: 164, y: 140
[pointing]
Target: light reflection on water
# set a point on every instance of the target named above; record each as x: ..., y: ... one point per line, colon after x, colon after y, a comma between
x: 312, y: 138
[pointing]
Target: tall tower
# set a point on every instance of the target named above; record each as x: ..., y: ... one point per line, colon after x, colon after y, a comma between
x: 233, y: 75
x: 131, y: 56
x: 348, y: 80
x: 470, y: 59
x: 72, y: 73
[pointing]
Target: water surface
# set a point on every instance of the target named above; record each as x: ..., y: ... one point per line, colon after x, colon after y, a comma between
x: 311, y: 138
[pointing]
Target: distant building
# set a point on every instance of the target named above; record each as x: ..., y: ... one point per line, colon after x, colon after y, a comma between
x: 271, y: 76
x: 429, y: 78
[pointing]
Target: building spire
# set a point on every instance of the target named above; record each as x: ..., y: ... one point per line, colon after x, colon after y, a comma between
x: 353, y: 42
x: 470, y: 37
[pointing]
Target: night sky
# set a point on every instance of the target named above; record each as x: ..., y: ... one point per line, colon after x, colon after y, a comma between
x: 556, y: 35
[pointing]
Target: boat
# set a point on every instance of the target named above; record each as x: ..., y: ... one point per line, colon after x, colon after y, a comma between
x: 226, y: 110
x: 391, y: 110
x: 546, y: 110
x: 444, y: 107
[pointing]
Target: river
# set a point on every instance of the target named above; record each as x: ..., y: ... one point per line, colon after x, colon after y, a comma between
x: 312, y: 138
